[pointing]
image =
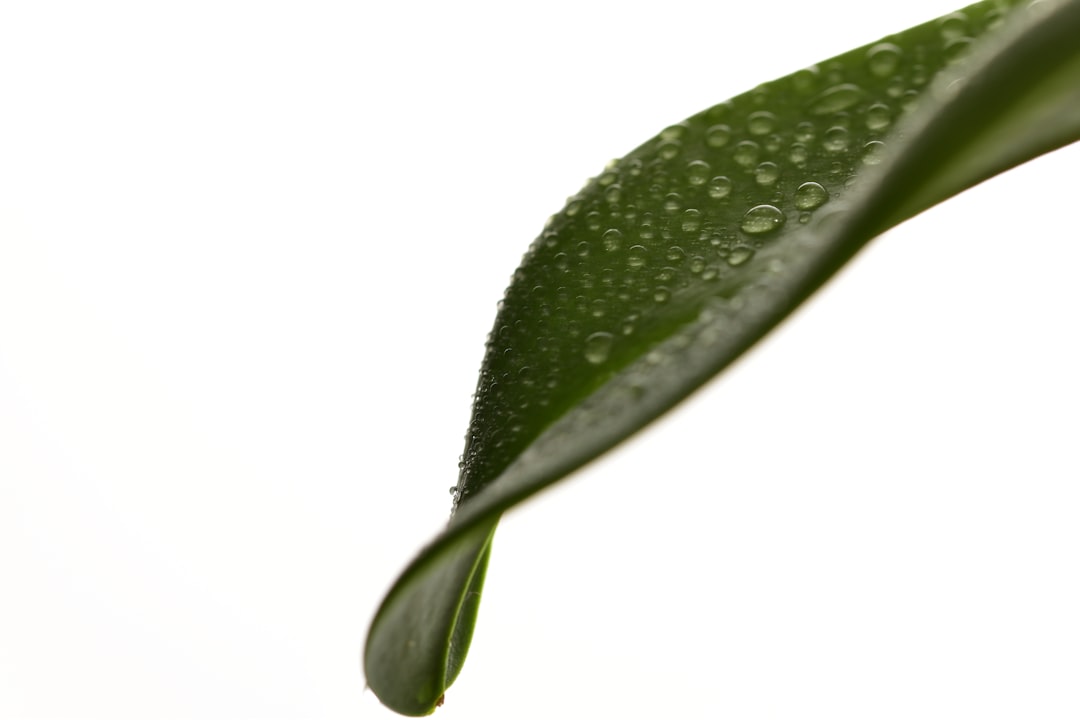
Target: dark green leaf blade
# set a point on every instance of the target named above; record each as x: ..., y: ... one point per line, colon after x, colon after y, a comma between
x: 679, y: 257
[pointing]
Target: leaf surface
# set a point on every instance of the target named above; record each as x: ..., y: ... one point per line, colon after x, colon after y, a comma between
x: 677, y: 258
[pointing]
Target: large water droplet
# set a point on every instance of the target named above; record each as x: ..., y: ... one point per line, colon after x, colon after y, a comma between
x: 883, y: 59
x: 761, y: 219
x: 598, y: 347
x: 810, y: 195
x: 837, y: 98
x: 873, y: 152
x: 691, y: 220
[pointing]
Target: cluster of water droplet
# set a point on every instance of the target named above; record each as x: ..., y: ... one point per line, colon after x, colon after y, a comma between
x: 679, y: 219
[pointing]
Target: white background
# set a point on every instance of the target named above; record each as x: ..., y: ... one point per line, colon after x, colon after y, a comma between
x: 249, y: 253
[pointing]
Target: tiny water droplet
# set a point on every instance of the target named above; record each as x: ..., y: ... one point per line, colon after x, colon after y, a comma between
x: 761, y: 219
x: 805, y: 81
x: 662, y: 295
x: 718, y: 135
x: 883, y: 59
x: 676, y: 254
x: 673, y: 132
x: 582, y: 248
x: 719, y: 187
x: 673, y: 203
x: 953, y: 26
x: 810, y: 195
x: 873, y: 152
x: 957, y: 49
x: 747, y: 153
x: 697, y: 264
x: 453, y: 488
x: 698, y: 172
x: 636, y: 257
x: 572, y: 208
x: 878, y: 117
x: 668, y: 150
x: 761, y: 122
x: 805, y: 132
x: 836, y: 139
x: 613, y: 194
x: 837, y: 98
x: 767, y: 173
x: 798, y: 154
x: 612, y: 240
x: 598, y: 347
x: 691, y: 220
x: 739, y: 255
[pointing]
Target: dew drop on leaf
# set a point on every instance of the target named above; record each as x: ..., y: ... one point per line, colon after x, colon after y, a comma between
x: 739, y: 255
x: 810, y: 195
x: 746, y: 153
x: 766, y: 173
x: 883, y: 59
x: 878, y: 117
x: 612, y: 240
x: 718, y: 135
x: 837, y: 98
x: 761, y: 219
x: 598, y: 347
x: 761, y: 123
x: 697, y: 172
x: 719, y: 187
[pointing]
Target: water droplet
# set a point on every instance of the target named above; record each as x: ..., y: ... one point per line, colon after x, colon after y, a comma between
x: 799, y: 154
x: 873, y: 152
x: 805, y: 132
x: 453, y: 488
x: 599, y: 308
x: 953, y: 26
x: 613, y: 194
x: 593, y: 221
x: 958, y: 49
x: 697, y: 264
x: 761, y: 122
x: 718, y: 135
x: 598, y: 347
x: 761, y: 219
x: 612, y: 240
x: 805, y: 81
x: 691, y: 220
x: 637, y: 256
x: 836, y: 139
x: 582, y: 248
x: 673, y: 203
x: 573, y: 207
x: 767, y: 173
x: 837, y: 98
x: 668, y: 150
x: 719, y: 187
x: 739, y: 255
x: 883, y: 59
x: 646, y: 231
x: 661, y: 295
x: 673, y: 132
x: 746, y: 153
x: 810, y: 195
x: 562, y: 262
x: 878, y: 117
x: 676, y: 254
x: 698, y: 172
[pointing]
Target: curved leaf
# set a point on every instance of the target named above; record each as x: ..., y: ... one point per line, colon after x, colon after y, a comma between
x: 680, y: 256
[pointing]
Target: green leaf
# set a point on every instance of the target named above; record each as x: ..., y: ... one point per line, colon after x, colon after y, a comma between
x: 680, y: 256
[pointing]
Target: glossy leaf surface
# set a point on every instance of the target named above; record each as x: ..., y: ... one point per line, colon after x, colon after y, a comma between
x: 677, y: 258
